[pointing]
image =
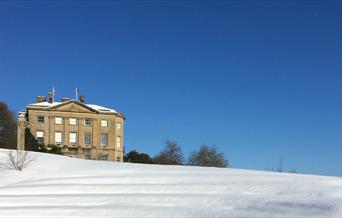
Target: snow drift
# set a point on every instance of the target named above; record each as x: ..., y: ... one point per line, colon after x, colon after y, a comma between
x: 59, y: 186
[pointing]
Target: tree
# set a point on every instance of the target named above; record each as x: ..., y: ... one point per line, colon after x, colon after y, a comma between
x: 280, y: 167
x: 53, y: 149
x: 17, y: 160
x: 8, y: 128
x: 208, y: 156
x: 50, y: 148
x: 293, y: 171
x: 31, y: 144
x: 170, y: 155
x: 136, y: 157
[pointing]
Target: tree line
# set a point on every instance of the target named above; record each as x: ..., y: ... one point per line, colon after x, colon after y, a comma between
x: 171, y: 154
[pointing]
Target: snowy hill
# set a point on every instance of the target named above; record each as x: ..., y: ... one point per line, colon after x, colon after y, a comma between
x: 58, y: 186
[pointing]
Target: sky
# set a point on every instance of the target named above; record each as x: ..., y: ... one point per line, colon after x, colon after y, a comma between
x: 261, y: 80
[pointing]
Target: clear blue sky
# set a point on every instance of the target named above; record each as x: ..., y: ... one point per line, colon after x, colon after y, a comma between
x: 260, y: 79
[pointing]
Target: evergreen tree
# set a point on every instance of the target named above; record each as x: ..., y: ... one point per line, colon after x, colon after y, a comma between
x: 136, y: 157
x: 8, y: 127
x: 31, y: 144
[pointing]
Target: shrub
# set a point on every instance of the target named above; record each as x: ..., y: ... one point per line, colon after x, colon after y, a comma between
x: 17, y: 160
x: 136, y: 157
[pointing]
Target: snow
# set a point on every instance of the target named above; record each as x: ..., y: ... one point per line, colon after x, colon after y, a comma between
x: 45, y: 104
x: 93, y: 106
x: 100, y: 108
x: 59, y: 186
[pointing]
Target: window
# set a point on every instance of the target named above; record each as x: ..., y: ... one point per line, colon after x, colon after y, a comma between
x: 87, y: 138
x: 58, y: 138
x: 104, y: 139
x: 104, y: 123
x: 87, y: 156
x: 118, y: 159
x: 58, y: 120
x: 118, y: 125
x: 40, y: 119
x: 118, y: 141
x: 87, y: 121
x: 72, y: 138
x: 40, y: 137
x: 72, y: 121
x: 104, y: 157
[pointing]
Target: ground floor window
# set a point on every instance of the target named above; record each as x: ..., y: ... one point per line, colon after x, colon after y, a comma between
x: 87, y: 156
x: 40, y: 137
x: 104, y: 157
x: 58, y: 138
x: 72, y: 138
x: 118, y: 159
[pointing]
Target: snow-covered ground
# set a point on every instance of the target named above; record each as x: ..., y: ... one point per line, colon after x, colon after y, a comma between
x: 58, y: 186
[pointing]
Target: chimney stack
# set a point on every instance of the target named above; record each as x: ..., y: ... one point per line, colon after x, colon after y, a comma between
x: 65, y: 99
x: 50, y: 97
x: 40, y: 99
x: 82, y: 98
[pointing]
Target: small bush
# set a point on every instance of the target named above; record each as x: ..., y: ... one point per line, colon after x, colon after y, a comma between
x: 17, y: 160
x: 136, y: 157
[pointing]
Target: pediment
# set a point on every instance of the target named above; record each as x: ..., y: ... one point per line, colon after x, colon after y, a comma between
x: 73, y: 107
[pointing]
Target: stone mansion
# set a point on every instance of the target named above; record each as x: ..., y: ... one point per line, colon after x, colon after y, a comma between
x: 82, y: 130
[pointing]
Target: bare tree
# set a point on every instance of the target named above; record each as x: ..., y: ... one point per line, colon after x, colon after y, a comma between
x: 170, y: 155
x: 16, y: 160
x: 293, y: 171
x: 208, y: 156
x: 280, y: 167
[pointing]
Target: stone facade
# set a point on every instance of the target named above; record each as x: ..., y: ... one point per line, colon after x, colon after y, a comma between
x: 82, y: 130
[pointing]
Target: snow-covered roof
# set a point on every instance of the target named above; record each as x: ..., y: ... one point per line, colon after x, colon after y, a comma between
x: 98, y: 108
x: 45, y: 104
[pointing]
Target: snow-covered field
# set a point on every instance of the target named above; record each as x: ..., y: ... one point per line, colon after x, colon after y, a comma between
x: 58, y: 186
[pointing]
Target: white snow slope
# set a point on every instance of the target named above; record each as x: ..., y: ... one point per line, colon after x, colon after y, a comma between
x: 58, y: 186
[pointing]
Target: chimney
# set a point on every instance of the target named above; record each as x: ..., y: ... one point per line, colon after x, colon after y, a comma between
x: 65, y: 99
x: 50, y: 97
x: 82, y: 98
x: 40, y: 99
